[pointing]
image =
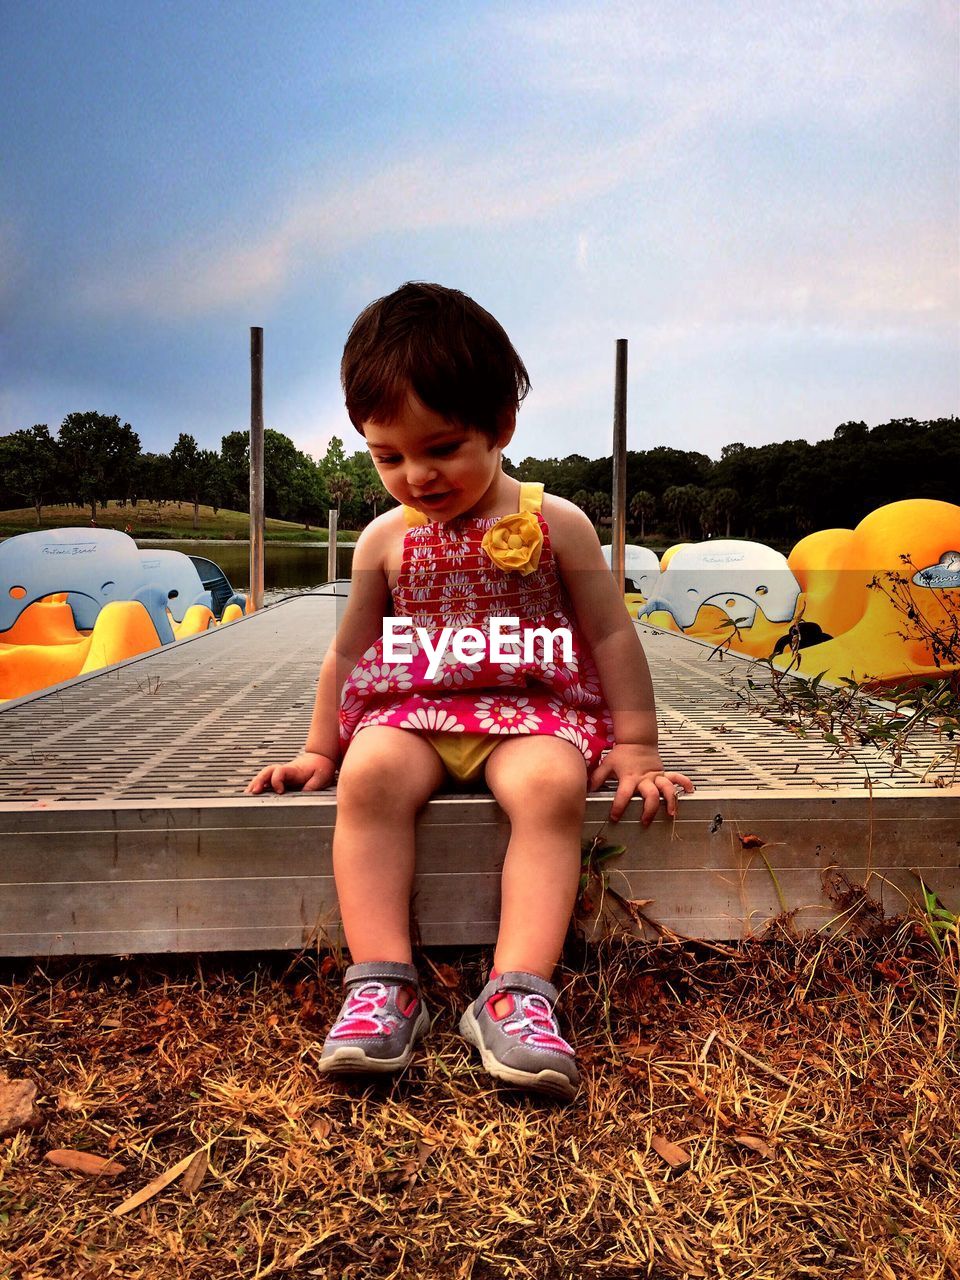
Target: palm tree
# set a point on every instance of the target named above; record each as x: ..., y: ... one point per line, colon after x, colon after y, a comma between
x: 340, y: 489
x: 372, y: 495
x: 722, y: 505
x: 599, y: 505
x: 642, y: 507
x: 684, y: 502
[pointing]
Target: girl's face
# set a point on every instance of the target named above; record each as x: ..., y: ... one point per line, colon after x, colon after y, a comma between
x: 435, y: 466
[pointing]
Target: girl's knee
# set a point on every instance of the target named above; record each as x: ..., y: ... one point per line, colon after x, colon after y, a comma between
x: 545, y: 786
x: 555, y: 800
x: 357, y: 780
x: 389, y: 769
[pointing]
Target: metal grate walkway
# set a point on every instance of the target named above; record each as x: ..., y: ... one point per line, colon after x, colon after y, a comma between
x: 196, y: 719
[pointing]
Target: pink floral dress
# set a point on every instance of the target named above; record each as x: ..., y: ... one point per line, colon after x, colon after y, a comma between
x: 448, y: 580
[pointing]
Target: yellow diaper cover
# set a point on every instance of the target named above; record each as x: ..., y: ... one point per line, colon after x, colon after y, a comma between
x: 463, y: 754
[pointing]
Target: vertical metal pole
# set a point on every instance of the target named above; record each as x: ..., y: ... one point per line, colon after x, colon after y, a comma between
x: 332, y: 544
x: 619, y: 465
x: 256, y: 468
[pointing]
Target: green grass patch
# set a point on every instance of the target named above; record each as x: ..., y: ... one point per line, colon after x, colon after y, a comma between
x: 163, y: 520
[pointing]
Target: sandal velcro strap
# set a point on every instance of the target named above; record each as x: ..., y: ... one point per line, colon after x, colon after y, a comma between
x: 391, y: 971
x: 515, y: 980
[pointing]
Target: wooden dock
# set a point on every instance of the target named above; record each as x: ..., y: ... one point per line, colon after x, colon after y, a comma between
x: 123, y: 827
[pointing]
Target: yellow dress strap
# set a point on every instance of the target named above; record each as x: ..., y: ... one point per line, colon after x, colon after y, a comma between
x: 412, y: 517
x: 531, y: 495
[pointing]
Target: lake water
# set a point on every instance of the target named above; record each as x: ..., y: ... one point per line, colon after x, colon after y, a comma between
x: 286, y: 567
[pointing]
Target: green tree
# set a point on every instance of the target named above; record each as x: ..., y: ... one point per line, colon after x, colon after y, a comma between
x: 100, y: 456
x: 642, y: 506
x: 152, y: 479
x: 718, y: 509
x: 368, y: 491
x: 281, y: 465
x: 194, y: 472
x: 215, y: 486
x: 235, y: 470
x: 311, y: 497
x: 598, y: 505
x: 334, y: 461
x: 293, y: 484
x: 663, y: 467
x: 684, y: 503
x: 29, y: 462
x: 373, y: 495
x: 340, y: 488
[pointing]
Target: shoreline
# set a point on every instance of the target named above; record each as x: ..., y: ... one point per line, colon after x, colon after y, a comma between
x: 241, y: 542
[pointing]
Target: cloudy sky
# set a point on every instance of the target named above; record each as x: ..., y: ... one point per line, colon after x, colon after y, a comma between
x: 762, y: 197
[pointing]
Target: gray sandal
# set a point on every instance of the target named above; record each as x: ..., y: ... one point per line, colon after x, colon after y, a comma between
x: 522, y: 1046
x: 378, y: 1027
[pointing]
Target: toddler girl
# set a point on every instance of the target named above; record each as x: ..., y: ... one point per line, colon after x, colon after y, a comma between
x: 433, y: 384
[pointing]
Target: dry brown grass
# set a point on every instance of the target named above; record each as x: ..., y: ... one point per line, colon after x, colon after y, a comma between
x: 813, y: 1083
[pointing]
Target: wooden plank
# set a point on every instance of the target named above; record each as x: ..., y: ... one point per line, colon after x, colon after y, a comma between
x: 253, y: 937
x: 233, y: 903
x: 183, y: 855
x: 721, y: 899
x: 265, y: 812
x: 195, y: 852
x: 84, y: 878
x: 228, y: 904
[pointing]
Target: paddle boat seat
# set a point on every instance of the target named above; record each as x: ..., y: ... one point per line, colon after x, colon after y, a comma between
x: 218, y: 584
x: 177, y: 575
x: 641, y: 569
x: 734, y: 576
x: 75, y: 600
x: 94, y: 567
x: 188, y: 581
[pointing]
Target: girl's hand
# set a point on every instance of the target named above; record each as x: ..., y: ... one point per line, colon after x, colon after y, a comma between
x: 305, y: 772
x: 639, y: 771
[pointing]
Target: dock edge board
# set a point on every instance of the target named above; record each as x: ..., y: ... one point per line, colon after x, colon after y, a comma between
x: 255, y: 874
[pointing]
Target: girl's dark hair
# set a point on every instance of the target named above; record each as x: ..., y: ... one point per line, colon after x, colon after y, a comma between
x: 441, y: 345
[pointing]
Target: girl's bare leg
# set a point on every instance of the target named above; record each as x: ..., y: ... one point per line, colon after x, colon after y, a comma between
x: 541, y: 785
x: 387, y: 775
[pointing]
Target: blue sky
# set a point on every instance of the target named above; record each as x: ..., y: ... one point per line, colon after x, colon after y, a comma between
x: 763, y: 198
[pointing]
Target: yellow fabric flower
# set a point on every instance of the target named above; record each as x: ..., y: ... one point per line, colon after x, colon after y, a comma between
x: 514, y: 543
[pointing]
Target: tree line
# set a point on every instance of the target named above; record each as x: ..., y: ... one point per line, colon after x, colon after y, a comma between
x: 95, y: 458
x: 772, y: 492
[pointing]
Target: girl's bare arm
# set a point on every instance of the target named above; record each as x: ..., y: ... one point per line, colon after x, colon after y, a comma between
x: 622, y: 666
x: 360, y: 627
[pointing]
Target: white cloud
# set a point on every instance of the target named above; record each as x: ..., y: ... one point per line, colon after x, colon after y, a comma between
x: 902, y: 277
x: 827, y: 58
x: 433, y: 192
